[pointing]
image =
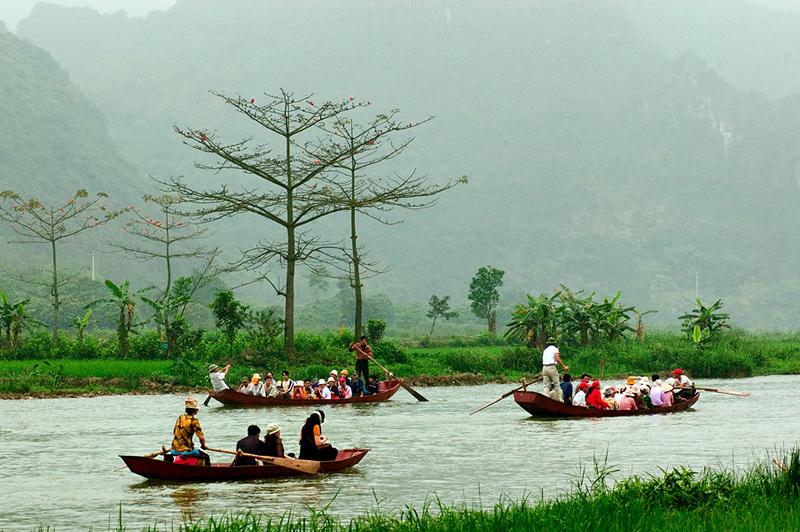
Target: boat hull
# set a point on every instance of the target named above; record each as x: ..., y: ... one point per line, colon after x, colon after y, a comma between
x: 386, y: 389
x: 152, y: 468
x: 539, y: 405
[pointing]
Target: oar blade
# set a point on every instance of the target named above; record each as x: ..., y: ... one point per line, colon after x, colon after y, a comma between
x: 208, y: 399
x: 418, y: 396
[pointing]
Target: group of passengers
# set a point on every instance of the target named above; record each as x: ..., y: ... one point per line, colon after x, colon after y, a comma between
x: 638, y: 393
x: 313, y: 444
x: 336, y: 386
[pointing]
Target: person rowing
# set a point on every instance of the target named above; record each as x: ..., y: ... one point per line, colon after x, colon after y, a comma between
x: 550, y: 357
x: 217, y: 376
x: 363, y: 353
x: 684, y: 387
x: 187, y: 426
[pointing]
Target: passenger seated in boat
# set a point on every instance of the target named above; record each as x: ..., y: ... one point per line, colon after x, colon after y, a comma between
x: 333, y: 388
x: 251, y: 444
x: 608, y: 397
x: 627, y: 402
x: 669, y: 399
x: 566, y: 388
x: 309, y: 390
x: 244, y: 385
x: 345, y: 392
x: 323, y: 392
x: 270, y: 390
x: 619, y: 394
x: 683, y: 385
x: 299, y: 391
x: 285, y: 386
x: 313, y: 444
x: 580, y: 396
x: 594, y: 399
x: 255, y: 387
x: 657, y: 393
x: 644, y: 388
x: 372, y: 386
x: 638, y: 397
x: 273, y: 445
x: 357, y: 385
x: 345, y: 378
x: 187, y: 426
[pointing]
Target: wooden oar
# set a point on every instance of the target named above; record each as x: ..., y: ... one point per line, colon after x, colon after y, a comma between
x: 208, y: 399
x: 308, y: 467
x: 418, y: 396
x: 507, y: 394
x: 726, y: 392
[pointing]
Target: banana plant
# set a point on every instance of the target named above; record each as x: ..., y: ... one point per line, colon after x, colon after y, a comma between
x: 13, y: 317
x: 705, y: 317
x: 125, y: 301
x: 534, y: 322
x: 81, y: 323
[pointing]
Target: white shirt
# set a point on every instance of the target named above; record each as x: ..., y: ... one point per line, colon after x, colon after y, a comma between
x: 325, y: 393
x: 579, y: 399
x: 218, y: 381
x: 255, y: 389
x: 684, y: 381
x: 346, y: 392
x: 549, y: 355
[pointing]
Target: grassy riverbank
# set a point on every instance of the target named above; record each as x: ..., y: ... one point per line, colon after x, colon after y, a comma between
x: 735, y: 354
x: 766, y: 497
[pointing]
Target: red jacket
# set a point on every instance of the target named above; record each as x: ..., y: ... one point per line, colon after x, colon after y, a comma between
x: 595, y: 399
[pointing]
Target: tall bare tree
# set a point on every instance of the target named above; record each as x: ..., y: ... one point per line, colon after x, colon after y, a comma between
x: 38, y: 223
x: 291, y: 192
x: 372, y: 194
x: 168, y: 238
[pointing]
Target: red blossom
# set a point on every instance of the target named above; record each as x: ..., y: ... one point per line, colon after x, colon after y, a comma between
x: 350, y: 99
x: 252, y: 100
x: 317, y: 161
x: 372, y: 141
x: 203, y: 137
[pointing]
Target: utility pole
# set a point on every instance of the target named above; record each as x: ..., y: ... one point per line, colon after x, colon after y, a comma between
x: 93, y: 268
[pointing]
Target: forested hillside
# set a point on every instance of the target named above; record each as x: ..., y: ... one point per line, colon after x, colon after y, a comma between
x: 596, y: 157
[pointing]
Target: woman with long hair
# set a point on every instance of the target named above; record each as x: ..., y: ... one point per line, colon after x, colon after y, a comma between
x: 313, y: 445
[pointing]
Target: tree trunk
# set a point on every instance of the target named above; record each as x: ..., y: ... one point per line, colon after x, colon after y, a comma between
x: 493, y: 322
x: 432, y: 326
x: 356, y: 284
x: 164, y: 307
x: 288, y: 309
x: 54, y: 293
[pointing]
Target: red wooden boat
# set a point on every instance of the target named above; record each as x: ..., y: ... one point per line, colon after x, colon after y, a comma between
x: 540, y: 405
x: 386, y: 389
x: 158, y: 469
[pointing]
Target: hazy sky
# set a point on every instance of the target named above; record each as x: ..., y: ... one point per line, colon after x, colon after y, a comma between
x: 12, y: 11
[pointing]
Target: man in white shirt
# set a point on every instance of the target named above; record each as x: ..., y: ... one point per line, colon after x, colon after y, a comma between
x: 550, y: 357
x: 217, y: 376
x: 323, y: 391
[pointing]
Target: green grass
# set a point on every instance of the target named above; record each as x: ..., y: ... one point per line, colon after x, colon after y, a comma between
x: 767, y: 497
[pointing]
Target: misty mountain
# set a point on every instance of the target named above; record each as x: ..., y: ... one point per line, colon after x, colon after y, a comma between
x: 597, y: 157
x: 53, y: 140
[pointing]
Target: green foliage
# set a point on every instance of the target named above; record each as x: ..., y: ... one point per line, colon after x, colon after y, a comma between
x: 484, y: 296
x: 389, y: 352
x: 709, y: 321
x: 125, y: 301
x: 571, y: 317
x: 375, y: 330
x: 439, y: 307
x: 230, y: 314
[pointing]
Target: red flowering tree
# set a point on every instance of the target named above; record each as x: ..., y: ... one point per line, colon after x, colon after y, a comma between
x: 168, y: 237
x: 38, y: 223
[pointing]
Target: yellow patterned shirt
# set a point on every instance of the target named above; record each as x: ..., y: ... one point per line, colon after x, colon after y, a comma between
x: 185, y: 428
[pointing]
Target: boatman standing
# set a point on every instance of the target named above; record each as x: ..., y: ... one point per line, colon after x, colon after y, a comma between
x: 217, y: 376
x: 550, y: 357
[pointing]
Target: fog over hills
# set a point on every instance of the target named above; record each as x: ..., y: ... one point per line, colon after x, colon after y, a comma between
x: 603, y: 150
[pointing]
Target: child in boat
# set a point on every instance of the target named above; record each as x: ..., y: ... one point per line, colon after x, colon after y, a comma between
x: 580, y: 396
x: 566, y: 388
x: 357, y: 385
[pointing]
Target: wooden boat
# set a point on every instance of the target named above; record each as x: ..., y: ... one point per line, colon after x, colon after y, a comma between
x: 153, y: 468
x: 386, y: 389
x: 539, y: 405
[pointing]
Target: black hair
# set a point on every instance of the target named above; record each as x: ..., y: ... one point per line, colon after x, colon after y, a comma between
x: 363, y: 337
x: 567, y: 377
x: 584, y: 375
x: 191, y: 411
x: 654, y: 377
x: 285, y: 372
x: 253, y: 430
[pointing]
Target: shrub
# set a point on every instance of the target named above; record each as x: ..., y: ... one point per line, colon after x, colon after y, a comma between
x: 375, y: 330
x: 390, y: 352
x: 466, y: 362
x: 517, y: 359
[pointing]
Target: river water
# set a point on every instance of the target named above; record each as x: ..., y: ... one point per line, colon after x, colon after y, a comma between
x: 59, y: 456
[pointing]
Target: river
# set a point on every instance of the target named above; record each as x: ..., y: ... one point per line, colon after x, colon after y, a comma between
x: 59, y: 456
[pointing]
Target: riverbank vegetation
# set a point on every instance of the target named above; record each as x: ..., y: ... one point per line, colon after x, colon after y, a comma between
x: 96, y: 368
x: 764, y: 497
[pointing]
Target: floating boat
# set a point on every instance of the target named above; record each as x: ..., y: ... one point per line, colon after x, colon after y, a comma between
x: 386, y: 389
x: 539, y: 405
x: 153, y: 468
